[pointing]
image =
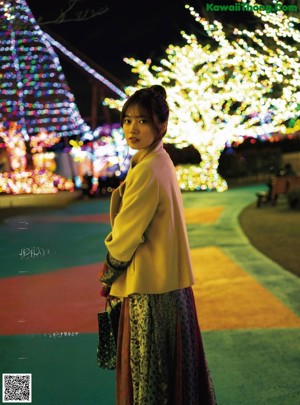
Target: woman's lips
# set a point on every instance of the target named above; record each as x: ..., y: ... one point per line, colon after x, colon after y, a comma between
x: 134, y: 140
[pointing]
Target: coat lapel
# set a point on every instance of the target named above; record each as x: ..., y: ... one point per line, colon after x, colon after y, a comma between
x: 116, y: 198
x: 116, y: 202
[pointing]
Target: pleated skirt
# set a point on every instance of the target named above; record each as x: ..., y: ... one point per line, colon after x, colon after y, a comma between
x: 160, y: 354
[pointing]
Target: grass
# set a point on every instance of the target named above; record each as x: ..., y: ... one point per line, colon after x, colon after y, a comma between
x: 275, y: 231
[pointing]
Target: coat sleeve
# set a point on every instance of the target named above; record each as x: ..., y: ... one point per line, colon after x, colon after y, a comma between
x: 140, y: 201
x: 112, y: 269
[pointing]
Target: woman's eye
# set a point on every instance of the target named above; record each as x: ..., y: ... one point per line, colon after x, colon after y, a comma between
x: 128, y: 121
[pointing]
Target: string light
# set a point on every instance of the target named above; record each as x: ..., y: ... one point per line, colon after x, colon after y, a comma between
x: 106, y: 152
x: 34, y: 91
x: 21, y: 180
x: 34, y: 182
x: 220, y: 94
x: 41, y: 141
x: 36, y: 105
x: 15, y: 146
x: 84, y: 65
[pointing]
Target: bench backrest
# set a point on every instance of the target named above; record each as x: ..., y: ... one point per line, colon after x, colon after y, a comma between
x: 281, y: 185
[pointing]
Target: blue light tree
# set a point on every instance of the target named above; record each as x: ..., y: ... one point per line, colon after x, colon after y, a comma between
x: 36, y: 104
x: 34, y: 91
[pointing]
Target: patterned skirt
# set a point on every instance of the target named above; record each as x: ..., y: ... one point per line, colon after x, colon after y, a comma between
x: 160, y: 358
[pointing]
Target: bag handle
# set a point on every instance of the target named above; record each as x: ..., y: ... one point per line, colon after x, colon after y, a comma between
x: 111, y: 302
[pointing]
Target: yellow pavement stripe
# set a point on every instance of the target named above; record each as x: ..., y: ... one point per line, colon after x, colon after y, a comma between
x: 229, y: 298
x: 207, y: 215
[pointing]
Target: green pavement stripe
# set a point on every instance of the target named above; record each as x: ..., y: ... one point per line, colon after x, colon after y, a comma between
x: 255, y: 367
x: 65, y: 245
x: 248, y: 367
x: 64, y: 369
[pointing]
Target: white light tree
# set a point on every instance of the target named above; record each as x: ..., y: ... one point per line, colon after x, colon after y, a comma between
x: 246, y: 85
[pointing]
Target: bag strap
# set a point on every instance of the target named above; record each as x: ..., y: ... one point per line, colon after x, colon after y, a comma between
x: 110, y: 303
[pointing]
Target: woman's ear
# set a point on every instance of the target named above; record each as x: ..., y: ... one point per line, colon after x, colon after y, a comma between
x: 163, y: 128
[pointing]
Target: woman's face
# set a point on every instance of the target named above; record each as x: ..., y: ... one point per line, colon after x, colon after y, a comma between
x: 139, y: 132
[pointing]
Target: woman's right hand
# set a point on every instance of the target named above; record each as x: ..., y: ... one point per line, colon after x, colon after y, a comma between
x: 103, y: 270
x: 105, y: 290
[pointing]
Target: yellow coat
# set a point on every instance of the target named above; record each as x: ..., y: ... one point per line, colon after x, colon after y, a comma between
x: 148, y: 227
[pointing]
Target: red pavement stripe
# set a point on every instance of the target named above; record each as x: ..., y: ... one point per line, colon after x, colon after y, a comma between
x: 65, y: 300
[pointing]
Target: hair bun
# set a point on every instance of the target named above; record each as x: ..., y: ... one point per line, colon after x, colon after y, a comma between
x: 157, y: 88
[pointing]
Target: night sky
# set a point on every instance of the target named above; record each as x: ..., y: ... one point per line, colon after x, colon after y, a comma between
x: 131, y: 28
x: 140, y: 29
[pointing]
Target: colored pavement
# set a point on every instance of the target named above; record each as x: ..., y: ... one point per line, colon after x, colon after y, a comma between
x: 248, y: 306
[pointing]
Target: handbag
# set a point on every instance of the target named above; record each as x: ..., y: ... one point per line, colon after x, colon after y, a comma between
x: 108, y: 322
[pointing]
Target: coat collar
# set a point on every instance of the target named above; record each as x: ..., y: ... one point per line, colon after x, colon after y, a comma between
x: 145, y: 153
x: 142, y: 154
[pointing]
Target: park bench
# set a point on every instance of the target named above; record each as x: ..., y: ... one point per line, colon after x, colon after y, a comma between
x: 278, y: 186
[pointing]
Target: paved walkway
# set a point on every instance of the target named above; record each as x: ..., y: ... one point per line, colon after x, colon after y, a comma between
x: 248, y: 306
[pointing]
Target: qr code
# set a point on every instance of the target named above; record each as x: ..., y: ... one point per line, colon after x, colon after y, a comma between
x: 16, y: 388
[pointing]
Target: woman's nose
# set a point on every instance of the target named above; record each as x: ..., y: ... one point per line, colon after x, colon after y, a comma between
x: 133, y: 127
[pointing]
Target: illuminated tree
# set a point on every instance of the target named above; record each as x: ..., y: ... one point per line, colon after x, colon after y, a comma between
x: 220, y: 93
x: 36, y: 105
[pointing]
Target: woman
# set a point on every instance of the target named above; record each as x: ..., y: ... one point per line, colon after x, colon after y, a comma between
x: 160, y: 353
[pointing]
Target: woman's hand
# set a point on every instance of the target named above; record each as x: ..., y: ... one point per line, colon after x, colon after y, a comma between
x: 105, y: 290
x: 103, y: 270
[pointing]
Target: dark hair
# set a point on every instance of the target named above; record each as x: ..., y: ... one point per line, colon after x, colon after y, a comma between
x: 153, y: 103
